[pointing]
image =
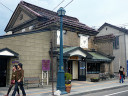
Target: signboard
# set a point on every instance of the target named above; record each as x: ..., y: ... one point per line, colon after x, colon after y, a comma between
x: 15, y: 62
x: 74, y: 58
x: 82, y: 67
x: 45, y: 65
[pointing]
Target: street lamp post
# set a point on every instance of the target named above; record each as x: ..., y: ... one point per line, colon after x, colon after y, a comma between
x: 60, y: 74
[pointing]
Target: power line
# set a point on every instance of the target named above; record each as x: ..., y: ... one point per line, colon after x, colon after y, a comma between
x: 68, y: 4
x: 58, y: 4
x: 6, y: 6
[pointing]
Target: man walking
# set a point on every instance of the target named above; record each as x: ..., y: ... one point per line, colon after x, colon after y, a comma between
x: 19, y: 80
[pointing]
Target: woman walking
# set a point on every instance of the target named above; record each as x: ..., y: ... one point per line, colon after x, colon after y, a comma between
x: 19, y: 80
x: 13, y: 78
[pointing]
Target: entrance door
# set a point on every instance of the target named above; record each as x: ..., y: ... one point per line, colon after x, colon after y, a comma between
x: 75, y: 70
x: 3, y: 70
x: 82, y: 71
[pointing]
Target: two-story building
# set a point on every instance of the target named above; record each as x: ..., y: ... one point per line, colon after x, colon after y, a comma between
x: 118, y: 47
x: 29, y: 35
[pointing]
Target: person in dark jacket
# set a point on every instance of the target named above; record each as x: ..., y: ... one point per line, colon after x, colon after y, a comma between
x: 13, y: 81
x: 19, y: 80
x: 121, y: 74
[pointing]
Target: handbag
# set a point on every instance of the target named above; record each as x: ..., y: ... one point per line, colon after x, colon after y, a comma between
x: 12, y: 81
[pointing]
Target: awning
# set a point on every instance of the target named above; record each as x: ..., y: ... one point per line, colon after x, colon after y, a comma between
x: 98, y: 57
x: 8, y: 52
x: 91, y: 56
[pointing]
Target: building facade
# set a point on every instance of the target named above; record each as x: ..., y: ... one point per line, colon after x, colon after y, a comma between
x: 31, y: 34
x: 120, y: 46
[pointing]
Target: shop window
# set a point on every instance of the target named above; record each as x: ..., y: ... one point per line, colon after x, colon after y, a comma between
x: 116, y: 43
x: 93, y: 68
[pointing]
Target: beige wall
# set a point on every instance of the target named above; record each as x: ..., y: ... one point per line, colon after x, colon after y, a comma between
x: 31, y: 48
x: 25, y: 18
x: 105, y: 47
x: 71, y: 39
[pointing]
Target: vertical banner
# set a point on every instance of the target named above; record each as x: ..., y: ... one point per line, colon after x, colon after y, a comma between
x: 127, y: 67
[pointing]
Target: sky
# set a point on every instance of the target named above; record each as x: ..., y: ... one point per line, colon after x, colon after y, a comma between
x: 93, y: 13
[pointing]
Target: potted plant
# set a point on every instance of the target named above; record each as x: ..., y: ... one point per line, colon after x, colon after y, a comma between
x: 95, y: 79
x: 68, y: 78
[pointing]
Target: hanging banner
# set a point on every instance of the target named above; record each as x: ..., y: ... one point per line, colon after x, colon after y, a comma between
x: 127, y: 67
x: 45, y: 65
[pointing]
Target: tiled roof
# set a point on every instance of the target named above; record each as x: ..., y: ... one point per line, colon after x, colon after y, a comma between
x: 53, y: 18
x: 98, y: 57
x: 105, y: 37
x: 115, y: 27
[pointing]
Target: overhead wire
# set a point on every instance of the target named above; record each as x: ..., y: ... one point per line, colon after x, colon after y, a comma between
x: 68, y: 4
x: 5, y: 6
x: 58, y: 5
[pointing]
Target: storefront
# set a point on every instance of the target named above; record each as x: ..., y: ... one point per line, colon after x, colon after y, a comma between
x: 5, y: 56
x: 83, y: 64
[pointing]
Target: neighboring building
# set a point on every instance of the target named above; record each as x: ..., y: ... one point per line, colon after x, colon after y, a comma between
x: 119, y: 43
x: 30, y: 32
x: 104, y: 44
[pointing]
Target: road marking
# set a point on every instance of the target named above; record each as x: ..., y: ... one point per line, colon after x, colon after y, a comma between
x: 116, y: 93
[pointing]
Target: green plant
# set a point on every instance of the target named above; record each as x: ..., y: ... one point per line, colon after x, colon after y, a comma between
x: 94, y: 79
x: 68, y: 78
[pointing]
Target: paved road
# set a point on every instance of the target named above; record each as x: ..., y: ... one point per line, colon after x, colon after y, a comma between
x: 115, y: 92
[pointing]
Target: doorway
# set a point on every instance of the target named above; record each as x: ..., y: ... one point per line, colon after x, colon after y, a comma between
x: 3, y: 71
x: 82, y: 71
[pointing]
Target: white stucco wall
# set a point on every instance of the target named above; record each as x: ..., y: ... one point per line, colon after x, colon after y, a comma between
x: 118, y: 53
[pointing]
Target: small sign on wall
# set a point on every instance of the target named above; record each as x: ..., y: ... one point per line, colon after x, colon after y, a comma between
x: 15, y: 62
x: 45, y: 65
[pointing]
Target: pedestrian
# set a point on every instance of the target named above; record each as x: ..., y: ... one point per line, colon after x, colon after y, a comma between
x: 121, y: 74
x: 13, y: 77
x: 19, y: 80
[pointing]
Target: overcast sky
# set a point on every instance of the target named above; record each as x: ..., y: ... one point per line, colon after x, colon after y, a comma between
x: 89, y: 12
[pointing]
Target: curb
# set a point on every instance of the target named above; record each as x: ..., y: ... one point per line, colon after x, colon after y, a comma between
x: 93, y: 91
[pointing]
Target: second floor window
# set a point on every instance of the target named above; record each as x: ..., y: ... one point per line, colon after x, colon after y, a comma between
x: 58, y: 36
x: 116, y: 43
x: 83, y: 41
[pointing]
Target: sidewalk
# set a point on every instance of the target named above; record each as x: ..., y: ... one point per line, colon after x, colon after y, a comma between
x: 78, y: 88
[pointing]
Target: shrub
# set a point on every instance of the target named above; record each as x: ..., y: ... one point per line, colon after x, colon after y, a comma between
x: 68, y: 78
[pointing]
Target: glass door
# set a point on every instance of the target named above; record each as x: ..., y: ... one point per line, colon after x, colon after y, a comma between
x: 82, y: 71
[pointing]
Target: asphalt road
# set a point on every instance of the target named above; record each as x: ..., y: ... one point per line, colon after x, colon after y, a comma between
x: 115, y: 92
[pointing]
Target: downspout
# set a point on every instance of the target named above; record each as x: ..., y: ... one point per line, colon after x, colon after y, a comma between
x: 125, y: 54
